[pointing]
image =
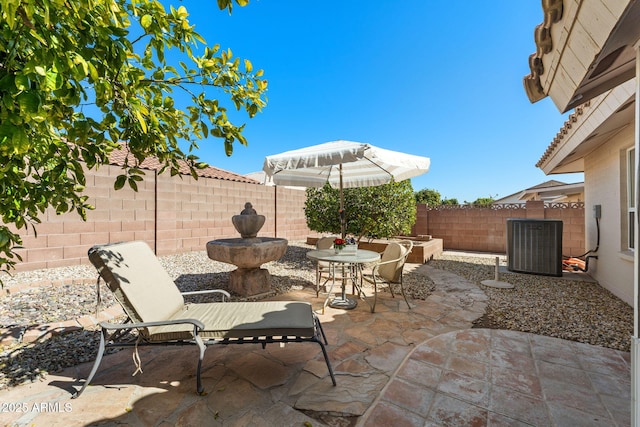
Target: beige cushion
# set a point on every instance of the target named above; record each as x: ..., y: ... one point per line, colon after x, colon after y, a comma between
x: 241, y: 320
x: 391, y: 271
x: 325, y: 242
x: 147, y: 294
x: 138, y: 280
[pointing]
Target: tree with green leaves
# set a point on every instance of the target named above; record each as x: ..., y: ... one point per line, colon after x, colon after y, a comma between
x: 429, y: 197
x: 376, y: 212
x: 483, y: 202
x: 80, y: 77
x: 453, y: 201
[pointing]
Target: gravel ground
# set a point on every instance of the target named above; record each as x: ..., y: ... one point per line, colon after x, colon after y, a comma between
x: 569, y: 309
x: 573, y: 310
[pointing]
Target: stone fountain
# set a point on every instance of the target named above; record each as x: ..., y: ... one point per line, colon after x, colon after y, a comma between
x: 248, y: 253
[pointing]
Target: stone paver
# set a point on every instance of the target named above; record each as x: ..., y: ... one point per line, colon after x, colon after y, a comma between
x: 395, y: 367
x: 527, y: 386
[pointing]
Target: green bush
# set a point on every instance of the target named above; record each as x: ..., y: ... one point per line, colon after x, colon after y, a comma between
x: 373, y: 212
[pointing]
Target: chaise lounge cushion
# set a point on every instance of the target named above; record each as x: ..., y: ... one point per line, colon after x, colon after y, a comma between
x: 139, y: 282
x: 241, y: 320
x: 148, y: 294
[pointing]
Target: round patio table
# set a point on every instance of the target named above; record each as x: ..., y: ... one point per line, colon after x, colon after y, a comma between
x: 346, y: 259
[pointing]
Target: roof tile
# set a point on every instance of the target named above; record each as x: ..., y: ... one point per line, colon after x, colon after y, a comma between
x: 118, y: 156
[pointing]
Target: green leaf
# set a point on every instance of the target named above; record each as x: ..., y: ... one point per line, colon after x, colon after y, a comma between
x: 29, y: 102
x: 182, y: 12
x: 146, y: 21
x: 53, y: 80
x: 61, y: 56
x: 133, y: 184
x: 22, y: 82
x: 120, y: 181
x: 10, y: 9
x: 141, y: 121
x: 93, y: 72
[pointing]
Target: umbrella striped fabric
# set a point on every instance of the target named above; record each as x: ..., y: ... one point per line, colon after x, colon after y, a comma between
x: 343, y: 164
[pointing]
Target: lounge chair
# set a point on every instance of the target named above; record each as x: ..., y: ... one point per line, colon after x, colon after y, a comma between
x: 388, y: 270
x: 157, y: 311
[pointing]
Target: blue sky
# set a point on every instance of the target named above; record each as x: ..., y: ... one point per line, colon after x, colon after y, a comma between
x: 441, y: 79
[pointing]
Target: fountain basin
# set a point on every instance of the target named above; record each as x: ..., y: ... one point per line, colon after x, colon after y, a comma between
x: 247, y: 253
x: 248, y: 225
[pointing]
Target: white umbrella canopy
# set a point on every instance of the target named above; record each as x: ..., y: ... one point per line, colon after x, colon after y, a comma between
x: 343, y: 164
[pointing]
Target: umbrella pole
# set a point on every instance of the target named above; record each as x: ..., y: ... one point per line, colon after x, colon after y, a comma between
x: 343, y: 232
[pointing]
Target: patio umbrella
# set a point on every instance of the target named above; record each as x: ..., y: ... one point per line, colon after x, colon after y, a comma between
x: 343, y: 164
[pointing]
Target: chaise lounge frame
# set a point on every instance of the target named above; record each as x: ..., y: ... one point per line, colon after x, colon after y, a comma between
x: 155, y: 308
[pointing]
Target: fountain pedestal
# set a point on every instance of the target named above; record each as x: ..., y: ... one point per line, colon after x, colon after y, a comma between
x: 250, y: 281
x: 248, y: 253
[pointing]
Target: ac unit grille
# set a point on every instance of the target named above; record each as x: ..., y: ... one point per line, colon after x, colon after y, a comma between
x: 534, y: 246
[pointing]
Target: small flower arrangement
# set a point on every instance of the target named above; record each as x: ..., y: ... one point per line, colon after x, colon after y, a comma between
x: 339, y: 243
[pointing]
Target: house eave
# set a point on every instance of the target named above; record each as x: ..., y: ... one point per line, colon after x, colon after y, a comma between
x: 583, y: 48
x: 587, y: 128
x: 554, y: 191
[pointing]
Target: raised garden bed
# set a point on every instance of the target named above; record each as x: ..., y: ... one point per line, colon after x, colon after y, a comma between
x: 423, y: 250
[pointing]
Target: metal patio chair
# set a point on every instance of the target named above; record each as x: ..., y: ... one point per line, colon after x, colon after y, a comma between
x: 388, y: 270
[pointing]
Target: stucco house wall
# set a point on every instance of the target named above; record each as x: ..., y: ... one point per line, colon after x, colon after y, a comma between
x: 595, y: 140
x: 605, y: 185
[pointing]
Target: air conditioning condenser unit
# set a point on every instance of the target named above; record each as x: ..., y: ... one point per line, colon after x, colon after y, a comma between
x: 534, y: 246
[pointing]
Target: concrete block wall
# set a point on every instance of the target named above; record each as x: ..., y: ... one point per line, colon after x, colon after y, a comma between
x: 421, y: 227
x: 291, y: 218
x: 179, y: 214
x: 485, y: 229
x: 172, y: 214
x: 573, y: 229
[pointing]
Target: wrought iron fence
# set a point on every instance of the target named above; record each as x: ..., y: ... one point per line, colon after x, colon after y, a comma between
x: 509, y: 206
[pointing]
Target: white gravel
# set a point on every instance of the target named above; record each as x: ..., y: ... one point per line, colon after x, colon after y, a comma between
x: 577, y: 310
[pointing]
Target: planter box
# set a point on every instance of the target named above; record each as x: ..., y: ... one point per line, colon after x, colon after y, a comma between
x: 421, y: 252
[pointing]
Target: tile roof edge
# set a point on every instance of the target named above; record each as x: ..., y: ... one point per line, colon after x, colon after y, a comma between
x: 564, y: 130
x: 117, y: 158
x: 552, y: 11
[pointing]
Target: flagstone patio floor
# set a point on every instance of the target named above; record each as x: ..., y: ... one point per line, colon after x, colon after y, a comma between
x: 396, y: 367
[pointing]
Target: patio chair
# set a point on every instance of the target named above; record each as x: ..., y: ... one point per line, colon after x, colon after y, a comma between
x: 156, y: 309
x: 388, y: 270
x: 324, y: 270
